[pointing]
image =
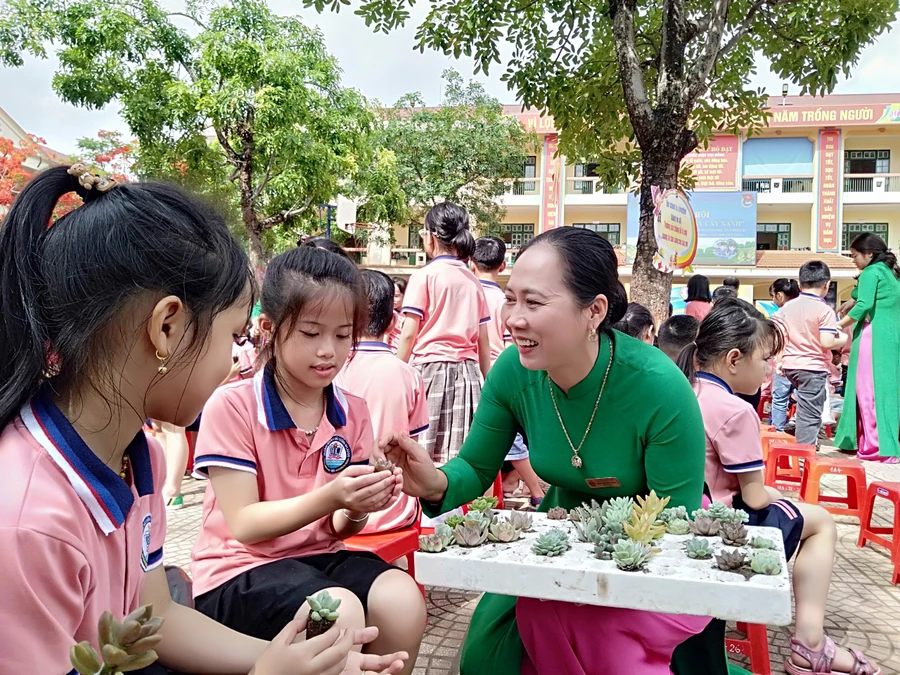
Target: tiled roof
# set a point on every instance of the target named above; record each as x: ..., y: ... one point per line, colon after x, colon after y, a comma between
x: 794, y: 259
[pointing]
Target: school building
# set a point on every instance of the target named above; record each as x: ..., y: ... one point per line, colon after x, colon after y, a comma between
x: 824, y: 170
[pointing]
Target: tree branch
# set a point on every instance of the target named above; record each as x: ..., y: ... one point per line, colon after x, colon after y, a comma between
x: 226, y: 146
x: 671, y: 50
x: 265, y: 180
x: 697, y: 82
x: 188, y: 16
x: 639, y: 110
x: 284, y: 216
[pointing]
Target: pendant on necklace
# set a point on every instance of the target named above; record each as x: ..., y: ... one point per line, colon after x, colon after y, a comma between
x: 576, y: 461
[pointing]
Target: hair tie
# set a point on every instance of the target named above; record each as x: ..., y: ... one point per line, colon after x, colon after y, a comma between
x: 91, y: 184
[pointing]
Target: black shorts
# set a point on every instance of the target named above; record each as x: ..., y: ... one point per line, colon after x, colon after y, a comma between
x: 782, y: 514
x: 262, y: 600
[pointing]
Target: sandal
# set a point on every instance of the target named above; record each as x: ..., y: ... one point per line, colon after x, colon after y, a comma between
x: 820, y: 661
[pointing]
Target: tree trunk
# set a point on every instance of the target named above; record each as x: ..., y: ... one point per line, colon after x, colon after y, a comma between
x: 649, y: 286
x: 258, y: 254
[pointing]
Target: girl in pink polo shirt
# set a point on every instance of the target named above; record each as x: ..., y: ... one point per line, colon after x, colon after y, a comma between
x: 287, y: 457
x: 730, y: 357
x: 445, y: 334
x: 133, y: 298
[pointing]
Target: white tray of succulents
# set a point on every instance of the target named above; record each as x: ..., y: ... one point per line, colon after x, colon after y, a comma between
x: 623, y: 553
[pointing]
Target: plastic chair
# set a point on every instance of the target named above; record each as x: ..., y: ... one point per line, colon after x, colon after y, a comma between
x: 835, y: 466
x: 783, y: 464
x: 868, y: 532
x: 389, y: 546
x: 498, y: 491
x: 755, y: 646
x: 770, y: 438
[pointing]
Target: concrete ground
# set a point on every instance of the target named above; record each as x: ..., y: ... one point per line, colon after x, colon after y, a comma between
x: 863, y: 607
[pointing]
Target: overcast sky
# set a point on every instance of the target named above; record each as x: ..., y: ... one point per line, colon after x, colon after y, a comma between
x: 383, y: 67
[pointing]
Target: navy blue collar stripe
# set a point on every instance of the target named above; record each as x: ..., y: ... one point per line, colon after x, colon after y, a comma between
x: 277, y: 417
x: 709, y: 377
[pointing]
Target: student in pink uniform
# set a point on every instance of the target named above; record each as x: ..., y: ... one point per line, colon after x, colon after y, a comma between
x: 698, y: 297
x: 396, y: 328
x: 393, y: 390
x: 287, y: 458
x: 445, y: 335
x: 811, y: 332
x: 136, y: 295
x: 729, y: 357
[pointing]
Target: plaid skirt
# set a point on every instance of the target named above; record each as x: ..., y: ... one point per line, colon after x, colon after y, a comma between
x: 453, y: 390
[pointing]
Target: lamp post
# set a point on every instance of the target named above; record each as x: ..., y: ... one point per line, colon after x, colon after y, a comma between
x: 327, y: 214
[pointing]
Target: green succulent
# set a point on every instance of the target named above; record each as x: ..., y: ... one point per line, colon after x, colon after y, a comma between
x: 478, y: 518
x: 557, y: 513
x: 124, y: 647
x: 470, y: 534
x: 630, y: 555
x: 483, y: 504
x: 521, y: 520
x: 432, y: 543
x: 552, y: 543
x: 698, y: 548
x: 763, y: 561
x: 720, y: 512
x: 763, y: 543
x: 617, y: 509
x: 445, y: 532
x: 704, y: 526
x: 674, y: 513
x: 454, y: 520
x: 322, y: 607
x: 731, y: 560
x: 586, y: 526
x: 503, y: 531
x: 734, y: 534
x: 678, y: 526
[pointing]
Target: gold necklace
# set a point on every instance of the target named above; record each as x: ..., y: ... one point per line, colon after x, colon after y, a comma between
x: 576, y: 460
x: 123, y: 473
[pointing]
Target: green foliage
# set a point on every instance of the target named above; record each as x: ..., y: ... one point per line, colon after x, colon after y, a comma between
x: 698, y: 548
x: 465, y: 151
x: 552, y: 543
x: 765, y: 561
x: 630, y: 555
x: 262, y: 86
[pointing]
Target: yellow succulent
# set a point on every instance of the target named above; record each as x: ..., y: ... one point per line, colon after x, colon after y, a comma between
x: 651, y: 504
x: 644, y: 528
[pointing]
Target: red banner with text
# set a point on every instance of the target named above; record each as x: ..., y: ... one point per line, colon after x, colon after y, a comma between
x: 715, y: 167
x: 550, y: 215
x: 828, y: 207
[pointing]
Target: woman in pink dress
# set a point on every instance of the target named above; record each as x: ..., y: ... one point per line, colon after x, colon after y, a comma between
x: 699, y: 300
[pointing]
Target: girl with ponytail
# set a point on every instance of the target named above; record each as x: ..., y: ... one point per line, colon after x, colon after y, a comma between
x: 729, y: 358
x: 121, y: 311
x: 603, y: 416
x: 445, y: 332
x: 870, y: 423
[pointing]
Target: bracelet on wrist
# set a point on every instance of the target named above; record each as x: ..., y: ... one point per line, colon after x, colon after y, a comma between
x: 354, y: 520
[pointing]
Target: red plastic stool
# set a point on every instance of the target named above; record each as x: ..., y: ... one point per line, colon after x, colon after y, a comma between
x: 755, y: 647
x: 780, y: 471
x: 764, y: 408
x: 770, y: 438
x: 868, y: 532
x: 498, y: 491
x: 835, y: 466
x: 389, y: 546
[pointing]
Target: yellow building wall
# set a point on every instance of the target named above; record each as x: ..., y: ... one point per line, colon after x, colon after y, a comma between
x: 597, y: 214
x: 869, y: 141
x: 881, y: 214
x: 801, y: 223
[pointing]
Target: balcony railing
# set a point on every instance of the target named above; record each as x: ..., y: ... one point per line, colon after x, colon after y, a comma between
x: 757, y: 185
x: 521, y: 187
x: 796, y: 185
x: 589, y: 186
x: 872, y: 182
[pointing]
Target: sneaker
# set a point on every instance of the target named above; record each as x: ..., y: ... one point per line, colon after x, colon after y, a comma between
x: 175, y: 503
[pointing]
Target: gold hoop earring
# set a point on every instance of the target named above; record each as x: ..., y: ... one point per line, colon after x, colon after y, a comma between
x: 163, y: 369
x: 592, y: 336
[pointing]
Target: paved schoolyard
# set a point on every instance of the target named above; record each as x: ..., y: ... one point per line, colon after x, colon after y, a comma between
x: 864, y: 609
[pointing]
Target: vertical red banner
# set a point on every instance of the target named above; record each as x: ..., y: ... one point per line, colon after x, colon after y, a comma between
x: 550, y: 211
x: 828, y: 206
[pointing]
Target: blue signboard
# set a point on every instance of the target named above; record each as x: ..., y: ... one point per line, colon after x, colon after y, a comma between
x: 726, y: 228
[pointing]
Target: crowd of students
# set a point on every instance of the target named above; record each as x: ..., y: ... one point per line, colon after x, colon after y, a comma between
x: 127, y: 310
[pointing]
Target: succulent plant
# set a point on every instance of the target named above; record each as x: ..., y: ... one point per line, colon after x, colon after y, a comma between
x: 483, y: 504
x: 478, y: 518
x: 503, y: 531
x: 678, y: 526
x: 651, y: 505
x: 552, y: 543
x: 698, y: 548
x: 736, y: 516
x: 124, y: 646
x: 643, y: 528
x: 521, y: 520
x: 720, y: 512
x: 322, y: 613
x: 587, y: 526
x: 616, y: 509
x: 731, y: 560
x: 454, y: 520
x: 630, y: 555
x: 444, y: 531
x: 703, y: 526
x: 763, y: 543
x: 382, y: 464
x: 734, y: 534
x: 675, y: 513
x: 763, y: 561
x: 432, y: 543
x: 574, y: 515
x: 557, y: 513
x: 470, y: 535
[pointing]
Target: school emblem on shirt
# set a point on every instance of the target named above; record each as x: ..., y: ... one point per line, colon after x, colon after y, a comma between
x: 145, y: 543
x: 336, y: 454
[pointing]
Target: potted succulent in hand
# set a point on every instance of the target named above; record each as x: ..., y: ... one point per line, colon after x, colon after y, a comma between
x: 124, y: 647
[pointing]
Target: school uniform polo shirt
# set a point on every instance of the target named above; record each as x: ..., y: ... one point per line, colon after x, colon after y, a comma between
x: 395, y: 394
x: 733, y: 444
x: 803, y: 320
x: 450, y: 303
x: 246, y: 427
x: 75, y: 539
x: 497, y: 332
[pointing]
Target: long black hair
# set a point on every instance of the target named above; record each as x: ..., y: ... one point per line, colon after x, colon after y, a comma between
x: 732, y: 323
x: 789, y: 288
x: 872, y: 243
x: 698, y: 289
x: 590, y: 268
x: 636, y: 321
x: 67, y: 289
x: 450, y: 224
x: 380, y: 297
